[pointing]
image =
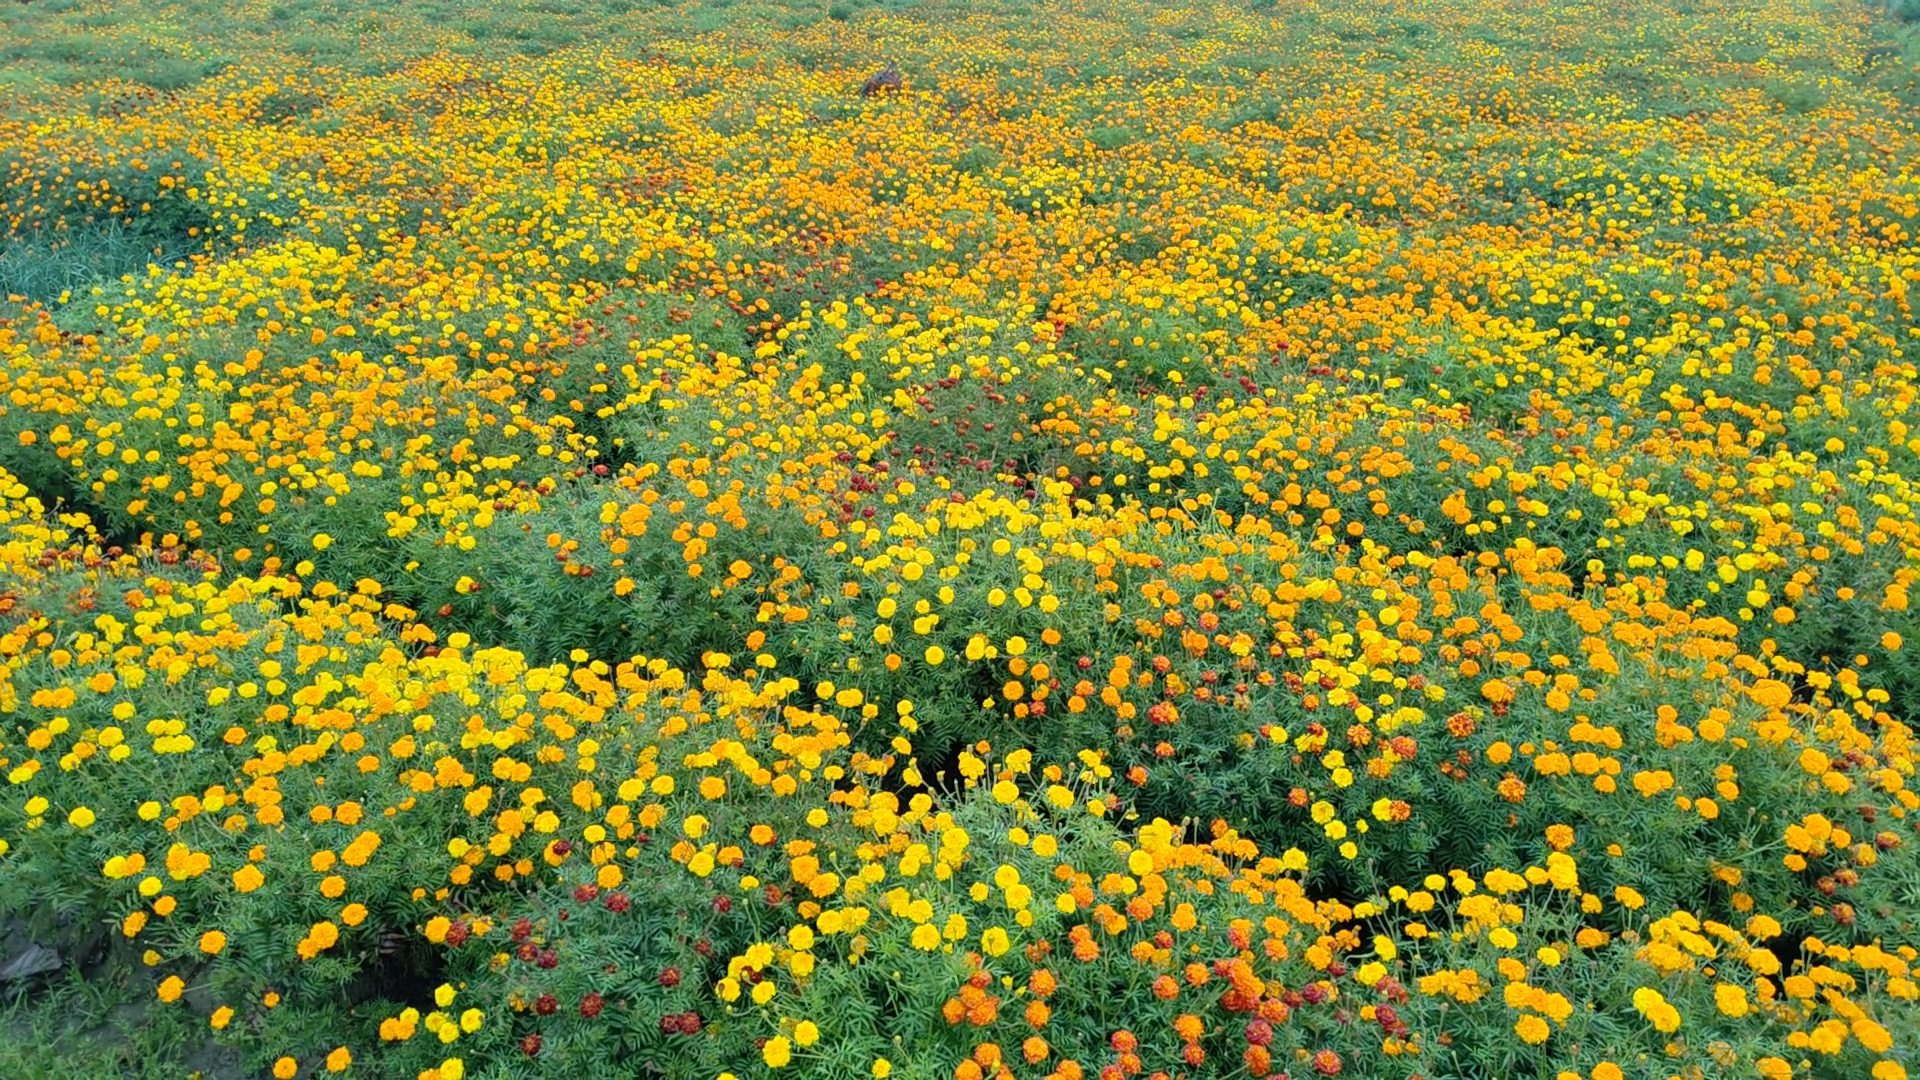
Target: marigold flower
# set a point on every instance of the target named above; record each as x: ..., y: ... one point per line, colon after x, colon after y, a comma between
x: 1532, y: 1029
x: 1730, y: 999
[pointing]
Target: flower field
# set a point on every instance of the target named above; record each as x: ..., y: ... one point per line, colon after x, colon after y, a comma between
x: 1231, y: 540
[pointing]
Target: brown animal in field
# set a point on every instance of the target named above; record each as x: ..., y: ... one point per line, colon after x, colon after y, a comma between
x: 887, y: 80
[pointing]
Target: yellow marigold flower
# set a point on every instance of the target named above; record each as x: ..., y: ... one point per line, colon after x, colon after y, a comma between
x: 285, y: 1068
x: 1872, y: 1035
x: 212, y: 942
x: 170, y: 989
x: 777, y: 1052
x: 806, y: 1033
x: 1730, y: 999
x: 1664, y: 1017
x: 1532, y: 1029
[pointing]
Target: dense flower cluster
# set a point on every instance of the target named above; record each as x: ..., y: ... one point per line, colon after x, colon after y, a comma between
x: 1207, y: 542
